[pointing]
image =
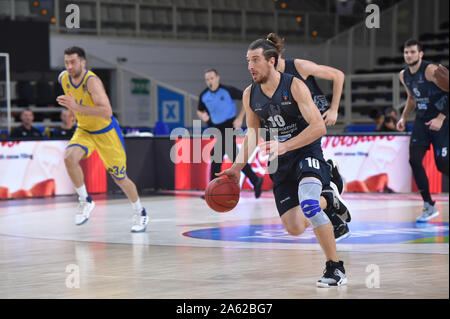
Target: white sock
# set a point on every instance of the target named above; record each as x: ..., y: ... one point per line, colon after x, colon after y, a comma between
x: 137, y: 206
x: 82, y: 193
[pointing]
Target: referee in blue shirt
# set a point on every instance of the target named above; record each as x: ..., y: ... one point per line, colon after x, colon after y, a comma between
x: 216, y: 106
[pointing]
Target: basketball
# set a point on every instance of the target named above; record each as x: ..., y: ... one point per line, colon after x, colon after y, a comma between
x: 222, y: 194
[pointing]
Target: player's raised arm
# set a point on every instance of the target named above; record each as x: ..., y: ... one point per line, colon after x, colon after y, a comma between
x: 307, y: 68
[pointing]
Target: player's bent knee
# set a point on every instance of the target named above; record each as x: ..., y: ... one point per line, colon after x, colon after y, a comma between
x: 295, y: 230
x: 70, y: 159
x: 309, y: 191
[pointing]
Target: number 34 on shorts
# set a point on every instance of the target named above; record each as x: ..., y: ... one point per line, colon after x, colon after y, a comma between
x: 116, y: 172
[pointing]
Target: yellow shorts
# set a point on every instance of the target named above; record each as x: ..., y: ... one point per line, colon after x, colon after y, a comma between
x: 109, y: 144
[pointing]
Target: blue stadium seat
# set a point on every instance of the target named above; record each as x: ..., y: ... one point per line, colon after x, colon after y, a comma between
x: 44, y: 130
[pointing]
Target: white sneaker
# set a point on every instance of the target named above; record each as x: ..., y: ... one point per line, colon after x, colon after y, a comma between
x: 83, y: 212
x: 140, y: 222
x: 428, y: 213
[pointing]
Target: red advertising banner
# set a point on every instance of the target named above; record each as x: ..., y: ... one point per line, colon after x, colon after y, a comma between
x: 367, y: 163
x: 36, y: 168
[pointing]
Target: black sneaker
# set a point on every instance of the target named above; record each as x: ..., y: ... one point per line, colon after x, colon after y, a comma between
x: 335, y: 201
x: 341, y: 232
x: 258, y: 187
x: 333, y: 275
x: 336, y: 177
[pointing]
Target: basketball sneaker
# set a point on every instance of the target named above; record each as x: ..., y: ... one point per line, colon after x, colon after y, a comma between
x: 140, y: 222
x: 335, y: 200
x: 84, y: 210
x: 429, y: 211
x: 333, y: 275
x: 336, y: 177
x: 341, y: 232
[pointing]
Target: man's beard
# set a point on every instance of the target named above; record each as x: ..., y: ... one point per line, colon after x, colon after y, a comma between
x: 262, y: 80
x: 413, y: 63
x: 78, y: 74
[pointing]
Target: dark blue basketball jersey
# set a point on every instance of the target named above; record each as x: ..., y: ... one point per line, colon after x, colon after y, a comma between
x: 320, y: 100
x: 430, y: 99
x: 279, y: 114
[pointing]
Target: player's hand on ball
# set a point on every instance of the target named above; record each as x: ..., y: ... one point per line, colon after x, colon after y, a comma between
x: 273, y: 149
x: 330, y: 117
x: 232, y: 173
x: 66, y: 101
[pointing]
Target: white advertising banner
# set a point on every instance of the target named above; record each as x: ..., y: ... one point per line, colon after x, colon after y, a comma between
x: 371, y: 163
x: 33, y: 168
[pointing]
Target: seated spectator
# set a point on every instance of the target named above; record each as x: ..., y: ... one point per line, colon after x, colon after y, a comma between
x: 26, y: 129
x: 68, y: 125
x: 388, y: 121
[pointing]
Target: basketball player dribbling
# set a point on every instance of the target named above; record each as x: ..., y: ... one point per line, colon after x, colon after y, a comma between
x: 307, y: 71
x: 282, y: 103
x: 97, y: 129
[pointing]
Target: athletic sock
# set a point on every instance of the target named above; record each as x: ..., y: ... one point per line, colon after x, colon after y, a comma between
x: 82, y: 193
x: 137, y: 206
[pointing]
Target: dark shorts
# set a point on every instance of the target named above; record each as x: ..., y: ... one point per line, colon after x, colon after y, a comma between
x: 422, y: 136
x: 291, y: 171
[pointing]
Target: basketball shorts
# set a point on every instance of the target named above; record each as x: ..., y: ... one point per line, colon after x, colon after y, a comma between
x: 291, y: 171
x: 422, y: 136
x: 109, y: 144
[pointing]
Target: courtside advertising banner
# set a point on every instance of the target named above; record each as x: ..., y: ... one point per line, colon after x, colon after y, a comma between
x: 367, y: 164
x: 33, y: 169
x: 371, y: 163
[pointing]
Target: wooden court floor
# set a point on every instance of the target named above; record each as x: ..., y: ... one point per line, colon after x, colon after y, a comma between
x: 188, y: 251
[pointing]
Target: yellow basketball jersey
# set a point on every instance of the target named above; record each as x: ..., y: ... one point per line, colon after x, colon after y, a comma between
x: 82, y: 96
